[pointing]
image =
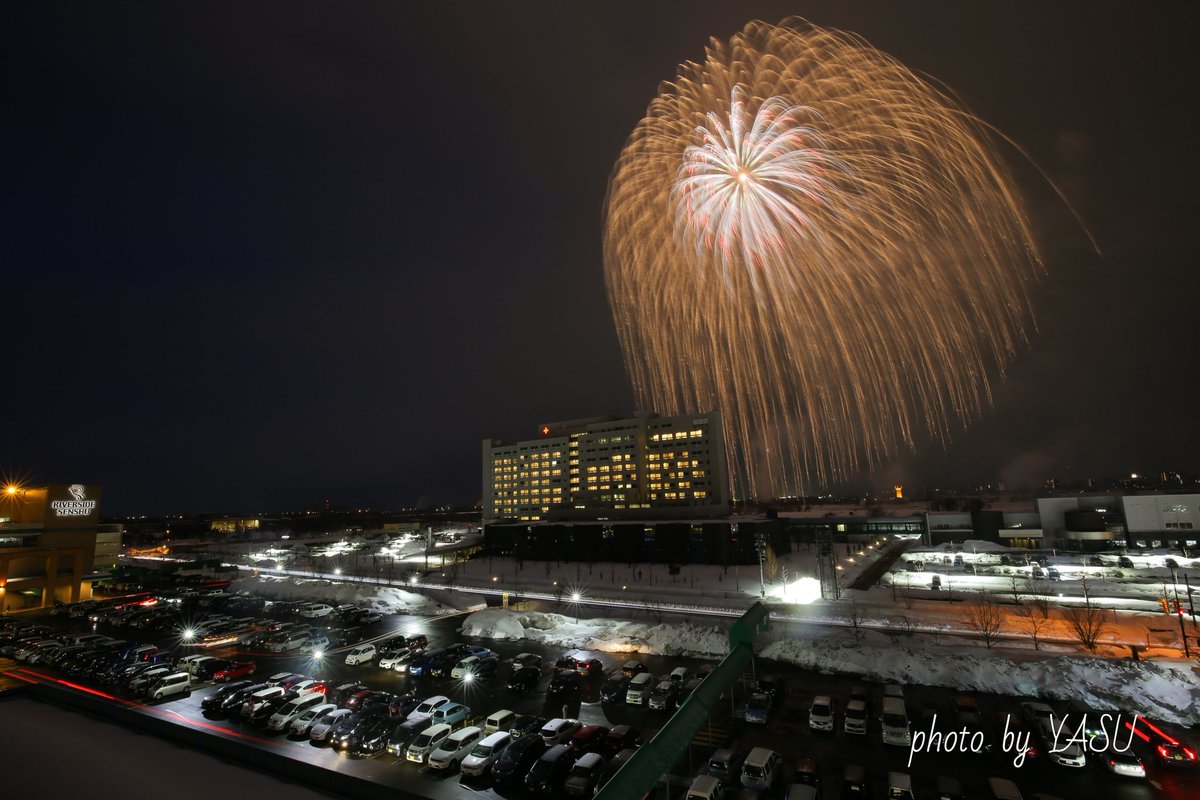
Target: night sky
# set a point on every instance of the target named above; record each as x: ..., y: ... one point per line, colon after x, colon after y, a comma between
x: 257, y: 255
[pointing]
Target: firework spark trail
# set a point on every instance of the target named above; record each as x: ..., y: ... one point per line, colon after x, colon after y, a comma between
x: 807, y: 236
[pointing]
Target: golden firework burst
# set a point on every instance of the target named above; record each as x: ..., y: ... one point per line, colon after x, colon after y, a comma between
x: 806, y: 235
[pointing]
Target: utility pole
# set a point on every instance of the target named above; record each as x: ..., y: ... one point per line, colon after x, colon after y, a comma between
x: 760, y: 544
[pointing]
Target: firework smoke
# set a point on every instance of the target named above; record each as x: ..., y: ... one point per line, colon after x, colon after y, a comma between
x: 807, y: 236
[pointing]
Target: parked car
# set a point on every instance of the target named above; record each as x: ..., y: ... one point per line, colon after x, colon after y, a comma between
x: 455, y: 747
x: 759, y: 707
x: 484, y: 754
x: 621, y: 737
x: 377, y: 738
x: 430, y: 705
x: 302, y: 725
x: 582, y: 778
x: 820, y: 714
x: 214, y: 700
x: 426, y: 742
x: 516, y: 760
x: 399, y: 661
x: 172, y: 685
x: 325, y: 726
x: 558, y: 730
x: 664, y: 695
x: 855, y: 721
x: 315, y: 611
x: 761, y: 769
x: 235, y: 670
x: 548, y: 773
x: 631, y: 669
x: 234, y: 702
x: 450, y: 714
x: 1126, y: 764
x: 613, y: 690
x: 361, y: 655
x: 588, y: 739
x: 565, y: 684
x: 527, y: 660
x: 404, y: 733
x: 524, y: 679
x: 501, y: 720
x: 526, y: 725
x: 289, y: 712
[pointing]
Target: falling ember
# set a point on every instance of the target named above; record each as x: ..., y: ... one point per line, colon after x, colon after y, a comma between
x: 807, y: 236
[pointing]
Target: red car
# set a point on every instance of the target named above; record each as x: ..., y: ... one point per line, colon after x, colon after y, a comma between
x: 588, y: 739
x: 235, y: 670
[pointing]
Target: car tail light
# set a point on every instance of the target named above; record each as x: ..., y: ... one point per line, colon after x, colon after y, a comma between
x: 1190, y: 753
x: 1162, y: 751
x: 1112, y: 762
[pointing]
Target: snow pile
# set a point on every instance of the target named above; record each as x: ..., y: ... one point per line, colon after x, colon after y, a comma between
x: 1152, y: 689
x: 384, y: 599
x: 605, y: 635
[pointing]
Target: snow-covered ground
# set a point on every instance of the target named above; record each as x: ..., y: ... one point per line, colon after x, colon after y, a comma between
x: 1163, y: 690
x: 606, y: 635
x: 1166, y: 690
x: 384, y: 599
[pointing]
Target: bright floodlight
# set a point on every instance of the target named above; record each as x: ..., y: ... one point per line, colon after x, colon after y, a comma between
x: 189, y: 634
x: 318, y: 654
x: 802, y: 591
x: 576, y: 597
x: 11, y: 489
x: 337, y: 571
x: 470, y: 676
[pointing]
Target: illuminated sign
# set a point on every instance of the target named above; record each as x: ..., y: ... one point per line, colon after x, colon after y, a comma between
x: 78, y: 506
x: 70, y: 505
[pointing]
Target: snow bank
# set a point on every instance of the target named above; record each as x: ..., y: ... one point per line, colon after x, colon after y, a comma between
x: 1152, y: 689
x: 605, y: 635
x: 384, y: 599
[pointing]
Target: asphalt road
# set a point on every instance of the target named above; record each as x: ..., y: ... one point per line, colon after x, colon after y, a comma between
x: 787, y: 733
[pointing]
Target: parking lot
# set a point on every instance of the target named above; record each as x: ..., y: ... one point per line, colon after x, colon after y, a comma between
x: 787, y: 731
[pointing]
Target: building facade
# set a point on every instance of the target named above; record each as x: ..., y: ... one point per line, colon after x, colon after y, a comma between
x: 609, y: 468
x: 52, y: 544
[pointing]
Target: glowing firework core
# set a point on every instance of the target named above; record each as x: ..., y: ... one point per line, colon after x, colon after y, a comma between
x: 807, y: 236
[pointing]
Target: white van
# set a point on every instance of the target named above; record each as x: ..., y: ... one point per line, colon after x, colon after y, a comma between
x: 761, y: 769
x: 855, y: 721
x: 169, y: 685
x: 639, y: 688
x: 899, y: 786
x: 292, y: 640
x: 284, y: 716
x: 485, y: 753
x: 895, y: 723
x: 705, y: 787
x: 501, y: 720
x: 361, y: 654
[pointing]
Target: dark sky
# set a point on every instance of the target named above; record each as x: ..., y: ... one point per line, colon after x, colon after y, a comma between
x: 257, y: 255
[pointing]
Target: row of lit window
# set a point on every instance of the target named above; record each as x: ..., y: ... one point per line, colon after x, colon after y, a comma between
x: 699, y: 494
x: 668, y: 436
x: 667, y: 456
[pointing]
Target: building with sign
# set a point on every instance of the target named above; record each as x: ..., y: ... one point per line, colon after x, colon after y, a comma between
x: 52, y: 544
